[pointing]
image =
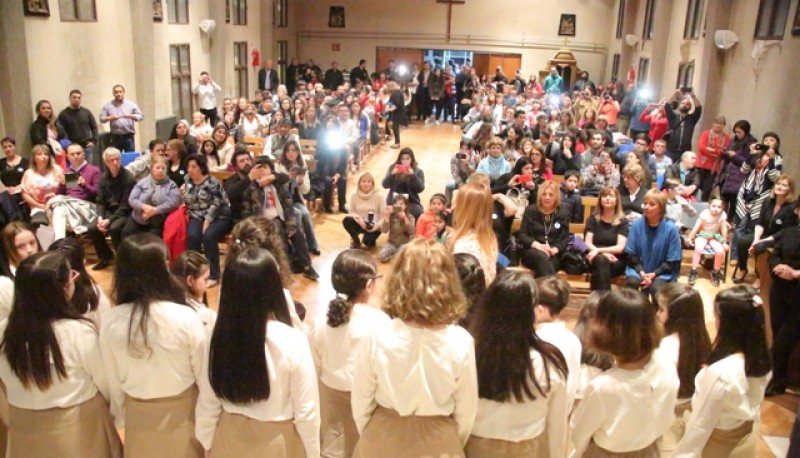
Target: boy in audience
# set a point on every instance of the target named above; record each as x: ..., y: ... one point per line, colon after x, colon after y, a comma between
x: 571, y: 196
x: 659, y: 162
x: 426, y: 226
x: 553, y: 298
x: 677, y: 205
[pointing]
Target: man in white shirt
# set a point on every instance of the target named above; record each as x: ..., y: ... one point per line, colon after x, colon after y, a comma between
x: 347, y: 128
x: 205, y: 95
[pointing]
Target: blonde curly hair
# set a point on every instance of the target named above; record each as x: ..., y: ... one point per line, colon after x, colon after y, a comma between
x: 423, y: 285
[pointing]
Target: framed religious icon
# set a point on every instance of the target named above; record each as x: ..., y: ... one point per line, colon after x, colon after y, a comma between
x: 796, y: 25
x: 158, y: 11
x: 36, y: 7
x: 336, y: 17
x: 566, y: 26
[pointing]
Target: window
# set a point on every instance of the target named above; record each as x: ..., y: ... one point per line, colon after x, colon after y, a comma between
x: 620, y: 19
x: 239, y: 13
x: 649, y: 15
x: 281, y: 17
x: 240, y: 68
x: 283, y: 58
x: 772, y: 16
x: 615, y: 66
x: 685, y: 74
x: 77, y: 10
x: 694, y: 12
x: 178, y: 11
x: 181, y: 74
x: 644, y: 67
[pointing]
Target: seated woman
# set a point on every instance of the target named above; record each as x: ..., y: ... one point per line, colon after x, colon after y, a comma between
x: 494, y: 164
x: 544, y: 232
x: 224, y: 142
x: 291, y: 163
x: 152, y: 199
x: 12, y: 168
x: 653, y: 247
x: 181, y: 132
x: 521, y: 178
x: 405, y: 177
x: 606, y: 235
x: 176, y: 164
x: 565, y: 155
x: 366, y: 211
x: 252, y: 125
x: 462, y: 165
x: 47, y: 131
x: 640, y: 158
x: 40, y: 183
x: 209, y: 213
x: 209, y: 151
x: 634, y: 187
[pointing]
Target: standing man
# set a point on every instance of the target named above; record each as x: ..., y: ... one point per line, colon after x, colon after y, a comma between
x: 423, y: 92
x: 268, y: 78
x: 553, y: 82
x: 360, y: 73
x: 121, y: 114
x: 683, y: 110
x: 205, y: 92
x: 79, y: 124
x: 112, y: 207
x: 333, y: 77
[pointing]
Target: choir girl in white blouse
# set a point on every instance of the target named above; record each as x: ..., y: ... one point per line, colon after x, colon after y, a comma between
x: 626, y: 409
x: 730, y: 389
x: 191, y: 269
x: 522, y: 379
x: 333, y: 338
x: 152, y: 347
x: 19, y: 241
x: 686, y: 346
x: 258, y: 392
x: 415, y: 391
x: 52, y: 368
x: 89, y: 299
x: 593, y: 362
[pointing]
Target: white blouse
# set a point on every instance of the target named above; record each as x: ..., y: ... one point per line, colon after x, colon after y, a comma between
x: 417, y: 371
x: 334, y: 348
x: 724, y: 399
x: 293, y: 391
x: 103, y: 304
x: 669, y: 351
x: 626, y: 410
x: 207, y: 315
x: 556, y: 333
x: 80, y: 350
x: 169, y: 365
x: 518, y: 421
x: 6, y: 296
x: 488, y: 261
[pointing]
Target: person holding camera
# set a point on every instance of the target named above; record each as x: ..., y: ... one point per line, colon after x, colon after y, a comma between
x: 683, y: 111
x: 600, y: 174
x: 404, y: 177
x: 610, y: 109
x: 366, y: 213
x: 462, y: 165
x: 291, y: 163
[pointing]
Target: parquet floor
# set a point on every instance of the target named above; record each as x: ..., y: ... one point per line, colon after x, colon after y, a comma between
x: 433, y: 146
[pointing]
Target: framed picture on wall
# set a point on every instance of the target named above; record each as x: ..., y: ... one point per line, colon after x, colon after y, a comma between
x: 566, y: 26
x: 36, y: 7
x: 336, y: 18
x: 796, y: 25
x: 158, y: 11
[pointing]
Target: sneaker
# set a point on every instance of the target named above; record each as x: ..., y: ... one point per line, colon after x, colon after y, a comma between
x: 310, y: 273
x: 693, y: 276
x: 395, y: 146
x: 438, y: 123
x: 716, y: 278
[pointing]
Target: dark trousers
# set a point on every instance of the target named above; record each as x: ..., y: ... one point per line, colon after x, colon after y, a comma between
x: 540, y: 263
x: 603, y: 271
x: 99, y: 239
x: 208, y: 240
x: 785, y: 323
x: 422, y: 102
x: 743, y: 244
x: 123, y: 142
x: 395, y: 129
x: 154, y: 225
x: 355, y: 231
x: 439, y: 106
x: 296, y: 246
x: 707, y: 178
x: 729, y: 201
x: 211, y: 116
x: 341, y: 187
x: 633, y: 281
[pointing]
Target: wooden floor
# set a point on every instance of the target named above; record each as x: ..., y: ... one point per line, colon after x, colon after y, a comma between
x: 433, y: 146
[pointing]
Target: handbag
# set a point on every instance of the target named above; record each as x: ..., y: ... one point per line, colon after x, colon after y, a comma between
x: 574, y: 263
x: 520, y: 199
x: 512, y: 251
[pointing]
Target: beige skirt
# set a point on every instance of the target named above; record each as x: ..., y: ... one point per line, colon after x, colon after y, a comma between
x: 594, y: 451
x: 738, y: 442
x: 339, y: 433
x: 390, y: 435
x: 239, y: 436
x: 3, y: 420
x: 677, y: 429
x: 162, y: 427
x: 82, y: 431
x: 480, y: 447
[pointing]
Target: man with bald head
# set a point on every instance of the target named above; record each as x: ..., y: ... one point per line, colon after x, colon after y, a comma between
x: 268, y: 78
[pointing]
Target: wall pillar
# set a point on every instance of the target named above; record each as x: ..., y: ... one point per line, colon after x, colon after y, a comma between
x: 144, y: 71
x: 15, y: 92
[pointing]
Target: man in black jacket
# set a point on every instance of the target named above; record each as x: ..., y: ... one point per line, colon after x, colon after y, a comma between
x: 683, y: 111
x: 268, y: 78
x: 360, y: 73
x: 79, y: 124
x: 333, y: 77
x: 112, y: 206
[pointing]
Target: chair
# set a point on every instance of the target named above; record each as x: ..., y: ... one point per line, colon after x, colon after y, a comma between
x: 254, y: 141
x: 688, y: 221
x: 129, y: 157
x: 589, y: 204
x: 221, y: 175
x: 308, y: 146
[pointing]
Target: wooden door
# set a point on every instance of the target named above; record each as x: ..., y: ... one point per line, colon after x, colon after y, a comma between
x: 486, y: 63
x: 401, y: 56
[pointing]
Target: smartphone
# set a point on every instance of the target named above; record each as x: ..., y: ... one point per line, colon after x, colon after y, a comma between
x: 71, y: 180
x: 397, y: 208
x: 461, y: 156
x: 525, y: 178
x: 402, y: 168
x: 762, y: 147
x: 686, y: 90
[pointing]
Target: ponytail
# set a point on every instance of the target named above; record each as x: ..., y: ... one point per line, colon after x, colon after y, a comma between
x: 339, y: 310
x: 351, y: 273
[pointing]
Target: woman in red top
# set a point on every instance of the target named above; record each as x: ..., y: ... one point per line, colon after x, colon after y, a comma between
x: 713, y: 142
x: 655, y: 115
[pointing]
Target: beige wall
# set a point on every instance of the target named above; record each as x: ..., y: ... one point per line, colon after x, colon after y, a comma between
x: 511, y: 26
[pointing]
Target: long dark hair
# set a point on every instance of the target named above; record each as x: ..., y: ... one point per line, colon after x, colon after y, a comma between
x: 502, y: 326
x: 141, y: 277
x: 685, y: 318
x: 85, y: 298
x: 237, y: 367
x: 213, y: 152
x: 409, y: 152
x: 741, y: 329
x: 30, y: 344
x: 351, y: 272
x: 473, y: 282
x: 590, y: 356
x: 258, y: 231
x: 190, y: 263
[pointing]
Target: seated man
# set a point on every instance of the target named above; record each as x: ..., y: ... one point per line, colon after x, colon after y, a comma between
x: 76, y: 193
x: 273, y: 146
x: 113, y: 209
x: 600, y: 174
x: 687, y: 174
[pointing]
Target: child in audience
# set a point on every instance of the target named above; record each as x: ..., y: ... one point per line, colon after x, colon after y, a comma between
x: 440, y: 224
x: 426, y: 225
x: 522, y: 379
x: 593, y: 362
x: 711, y: 229
x: 629, y: 407
x: 686, y: 346
x: 88, y: 299
x: 415, y: 389
x: 677, y: 205
x: 191, y: 269
x: 19, y: 241
x: 553, y: 298
x: 399, y: 224
x: 209, y: 150
x: 571, y: 196
x: 730, y: 389
x: 350, y: 317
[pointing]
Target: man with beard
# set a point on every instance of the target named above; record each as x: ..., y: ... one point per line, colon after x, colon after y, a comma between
x: 683, y: 111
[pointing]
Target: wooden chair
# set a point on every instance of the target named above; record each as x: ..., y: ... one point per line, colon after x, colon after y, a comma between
x: 253, y: 141
x: 309, y: 147
x: 589, y: 204
x: 255, y: 150
x: 221, y: 175
x: 558, y: 178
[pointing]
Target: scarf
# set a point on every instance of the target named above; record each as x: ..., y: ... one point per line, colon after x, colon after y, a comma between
x: 496, y: 165
x: 158, y: 190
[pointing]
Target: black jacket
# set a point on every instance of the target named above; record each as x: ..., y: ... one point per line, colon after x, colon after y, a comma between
x: 113, y: 193
x: 533, y: 229
x: 273, y: 79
